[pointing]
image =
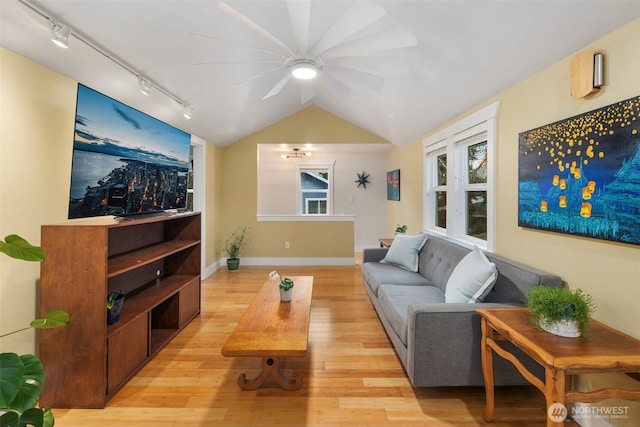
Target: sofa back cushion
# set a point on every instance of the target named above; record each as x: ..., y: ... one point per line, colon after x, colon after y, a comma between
x: 438, y: 259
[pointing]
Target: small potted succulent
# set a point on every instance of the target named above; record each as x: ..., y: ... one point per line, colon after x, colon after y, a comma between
x: 115, y: 301
x: 561, y: 311
x: 286, y: 289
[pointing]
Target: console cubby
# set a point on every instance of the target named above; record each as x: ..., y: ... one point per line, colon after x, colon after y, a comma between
x: 154, y: 261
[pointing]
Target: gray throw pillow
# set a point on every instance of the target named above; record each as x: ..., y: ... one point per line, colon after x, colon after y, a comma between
x: 404, y: 251
x: 472, y: 279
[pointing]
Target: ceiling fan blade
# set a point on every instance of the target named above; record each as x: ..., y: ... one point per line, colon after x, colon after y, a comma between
x: 249, y: 23
x: 278, y: 87
x: 300, y: 16
x: 380, y: 65
x: 394, y: 38
x: 244, y: 62
x: 362, y: 78
x: 334, y: 84
x: 256, y: 76
x: 270, y: 52
x: 307, y: 94
x: 357, y: 17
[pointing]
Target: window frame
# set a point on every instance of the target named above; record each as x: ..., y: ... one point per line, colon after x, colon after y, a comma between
x: 454, y: 141
x: 321, y: 166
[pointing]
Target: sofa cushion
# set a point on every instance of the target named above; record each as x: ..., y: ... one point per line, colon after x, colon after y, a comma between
x: 404, y: 251
x: 376, y: 273
x: 396, y: 299
x: 472, y: 278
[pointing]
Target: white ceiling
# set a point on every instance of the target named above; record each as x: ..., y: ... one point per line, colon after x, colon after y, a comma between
x: 466, y: 52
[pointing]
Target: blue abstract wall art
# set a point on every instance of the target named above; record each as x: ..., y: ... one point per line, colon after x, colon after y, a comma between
x: 581, y: 175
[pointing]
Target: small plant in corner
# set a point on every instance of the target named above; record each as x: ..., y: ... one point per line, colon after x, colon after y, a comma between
x: 233, y: 247
x: 22, y: 376
x: 112, y: 297
x: 551, y: 307
x: 401, y: 229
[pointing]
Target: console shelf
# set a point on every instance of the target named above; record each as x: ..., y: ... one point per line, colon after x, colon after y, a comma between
x: 154, y: 261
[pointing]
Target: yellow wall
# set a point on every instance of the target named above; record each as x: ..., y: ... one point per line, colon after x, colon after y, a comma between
x: 609, y: 271
x: 308, y: 239
x: 213, y: 200
x: 36, y: 132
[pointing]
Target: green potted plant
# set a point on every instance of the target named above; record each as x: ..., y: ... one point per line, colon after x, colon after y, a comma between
x: 286, y: 289
x: 400, y: 229
x: 115, y: 301
x: 234, y: 246
x: 561, y: 311
x: 23, y: 375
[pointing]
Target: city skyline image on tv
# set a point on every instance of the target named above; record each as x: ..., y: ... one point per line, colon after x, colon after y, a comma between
x: 124, y: 161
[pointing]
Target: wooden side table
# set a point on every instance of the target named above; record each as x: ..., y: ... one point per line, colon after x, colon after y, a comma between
x: 385, y: 242
x: 607, y: 350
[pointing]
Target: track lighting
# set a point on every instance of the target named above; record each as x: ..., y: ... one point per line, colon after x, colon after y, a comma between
x: 60, y: 34
x: 188, y: 111
x: 145, y: 85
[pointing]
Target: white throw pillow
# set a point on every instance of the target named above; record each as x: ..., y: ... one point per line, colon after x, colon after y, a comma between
x: 404, y: 251
x: 472, y: 279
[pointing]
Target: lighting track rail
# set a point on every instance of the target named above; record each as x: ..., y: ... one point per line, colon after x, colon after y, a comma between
x: 52, y: 20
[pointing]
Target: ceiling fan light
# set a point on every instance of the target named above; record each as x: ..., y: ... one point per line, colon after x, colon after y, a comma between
x: 304, y: 71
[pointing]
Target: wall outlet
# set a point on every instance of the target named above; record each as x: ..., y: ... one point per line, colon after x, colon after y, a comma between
x: 286, y: 244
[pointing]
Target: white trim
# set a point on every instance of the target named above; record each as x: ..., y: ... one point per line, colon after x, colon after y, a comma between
x: 482, y: 121
x: 306, y: 218
x: 199, y: 148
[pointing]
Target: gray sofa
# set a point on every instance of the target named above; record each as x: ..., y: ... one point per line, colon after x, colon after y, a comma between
x: 439, y: 342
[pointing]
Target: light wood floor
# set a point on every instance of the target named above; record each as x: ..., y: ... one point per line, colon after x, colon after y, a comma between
x: 352, y: 376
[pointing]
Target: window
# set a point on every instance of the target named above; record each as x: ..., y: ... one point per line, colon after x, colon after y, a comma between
x: 459, y: 171
x: 315, y: 189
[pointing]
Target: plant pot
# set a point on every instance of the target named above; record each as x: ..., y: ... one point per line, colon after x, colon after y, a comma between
x: 563, y: 328
x: 285, y: 296
x: 113, y: 313
x: 233, y: 264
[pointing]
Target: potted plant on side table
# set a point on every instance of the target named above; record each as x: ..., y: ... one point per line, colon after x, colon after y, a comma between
x: 561, y: 311
x: 234, y: 246
x: 401, y: 229
x: 23, y: 375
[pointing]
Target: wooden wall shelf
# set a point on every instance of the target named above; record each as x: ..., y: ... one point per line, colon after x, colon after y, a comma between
x: 154, y: 261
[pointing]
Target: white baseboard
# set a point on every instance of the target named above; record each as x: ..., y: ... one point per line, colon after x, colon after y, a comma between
x: 209, y: 270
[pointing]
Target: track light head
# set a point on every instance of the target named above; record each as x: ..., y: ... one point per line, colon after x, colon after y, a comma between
x: 145, y: 85
x: 60, y: 34
x: 188, y: 112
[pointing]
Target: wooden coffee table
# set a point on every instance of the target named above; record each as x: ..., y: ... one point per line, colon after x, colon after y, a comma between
x: 272, y: 329
x: 608, y: 350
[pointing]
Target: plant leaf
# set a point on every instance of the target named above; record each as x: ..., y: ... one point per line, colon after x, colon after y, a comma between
x: 11, y: 373
x: 17, y: 247
x: 47, y: 417
x: 9, y: 419
x: 30, y: 383
x: 52, y: 319
x: 32, y: 416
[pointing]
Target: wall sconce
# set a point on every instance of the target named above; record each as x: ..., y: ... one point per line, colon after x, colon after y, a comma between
x: 586, y: 73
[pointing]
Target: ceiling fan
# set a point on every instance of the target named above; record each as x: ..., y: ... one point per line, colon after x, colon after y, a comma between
x: 337, y: 57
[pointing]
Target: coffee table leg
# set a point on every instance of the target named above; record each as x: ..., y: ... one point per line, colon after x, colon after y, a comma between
x: 487, y: 370
x: 270, y: 367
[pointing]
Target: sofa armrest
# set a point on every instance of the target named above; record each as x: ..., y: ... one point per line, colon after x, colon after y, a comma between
x: 374, y: 254
x: 443, y: 343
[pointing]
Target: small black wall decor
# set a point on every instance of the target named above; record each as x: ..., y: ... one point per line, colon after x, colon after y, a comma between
x: 581, y: 175
x: 393, y: 185
x: 363, y: 179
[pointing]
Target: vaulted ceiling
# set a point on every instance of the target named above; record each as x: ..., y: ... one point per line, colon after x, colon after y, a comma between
x: 395, y: 68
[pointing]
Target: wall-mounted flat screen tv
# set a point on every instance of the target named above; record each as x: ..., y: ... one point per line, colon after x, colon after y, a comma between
x: 125, y: 162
